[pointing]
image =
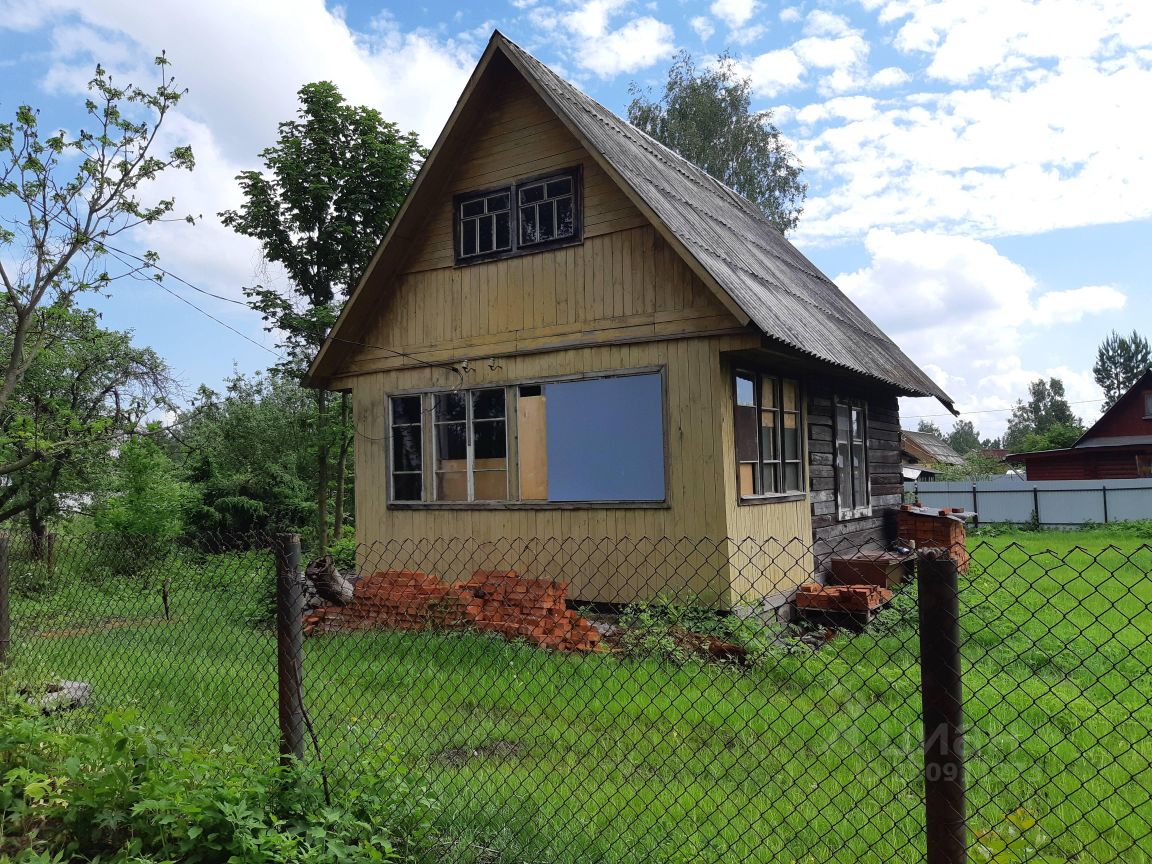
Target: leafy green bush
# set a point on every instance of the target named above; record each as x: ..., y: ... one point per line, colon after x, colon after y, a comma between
x: 681, y: 632
x: 126, y: 793
x: 343, y: 552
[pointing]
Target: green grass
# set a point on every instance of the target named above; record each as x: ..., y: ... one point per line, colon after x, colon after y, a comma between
x: 549, y: 758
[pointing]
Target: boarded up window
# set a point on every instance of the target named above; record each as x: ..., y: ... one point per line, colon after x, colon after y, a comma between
x: 853, y: 494
x: 769, y: 447
x: 532, y: 439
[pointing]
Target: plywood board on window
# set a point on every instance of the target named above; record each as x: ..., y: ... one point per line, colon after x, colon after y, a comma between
x: 532, y: 420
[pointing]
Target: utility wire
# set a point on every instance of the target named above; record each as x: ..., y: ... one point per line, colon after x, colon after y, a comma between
x: 987, y: 411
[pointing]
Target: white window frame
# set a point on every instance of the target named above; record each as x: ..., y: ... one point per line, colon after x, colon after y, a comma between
x: 855, y: 511
x: 470, y: 448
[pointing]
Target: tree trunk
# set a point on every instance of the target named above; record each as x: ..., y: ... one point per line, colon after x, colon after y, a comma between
x: 341, y: 470
x: 322, y: 454
x: 42, y: 541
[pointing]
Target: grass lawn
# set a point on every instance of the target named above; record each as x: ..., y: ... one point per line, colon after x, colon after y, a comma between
x: 549, y: 758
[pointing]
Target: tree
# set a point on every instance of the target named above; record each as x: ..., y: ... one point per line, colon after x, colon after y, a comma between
x: 331, y: 186
x: 1045, y: 421
x: 975, y: 467
x: 1120, y: 361
x: 65, y: 198
x: 927, y: 427
x: 964, y: 438
x: 705, y: 116
x: 86, y: 393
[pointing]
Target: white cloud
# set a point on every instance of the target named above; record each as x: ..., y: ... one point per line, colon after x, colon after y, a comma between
x: 591, y: 19
x: 1065, y: 307
x: 966, y: 314
x: 637, y: 45
x: 703, y: 27
x: 821, y: 23
x: 774, y: 71
x: 790, y: 14
x: 889, y: 76
x: 734, y: 13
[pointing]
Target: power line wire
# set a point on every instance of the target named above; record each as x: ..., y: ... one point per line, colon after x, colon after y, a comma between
x: 986, y: 411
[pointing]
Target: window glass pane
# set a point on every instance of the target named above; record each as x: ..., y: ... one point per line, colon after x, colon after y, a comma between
x: 406, y: 487
x: 450, y: 446
x: 498, y: 202
x: 565, y: 222
x: 857, y: 424
x: 503, y: 230
x: 768, y: 393
x: 606, y: 439
x: 768, y: 451
x: 468, y: 237
x: 746, y: 435
x: 488, y: 404
x: 547, y: 222
x: 489, y: 440
x: 745, y: 390
x: 843, y: 422
x: 472, y: 208
x: 771, y: 478
x: 531, y: 194
x: 557, y: 188
x: 452, y: 486
x: 406, y: 448
x: 844, y: 475
x: 791, y: 435
x: 1148, y: 404
x: 490, y: 485
x: 528, y: 225
x: 486, y: 241
x: 859, y: 477
x: 791, y: 392
x: 450, y: 406
x: 793, y: 477
x: 406, y: 409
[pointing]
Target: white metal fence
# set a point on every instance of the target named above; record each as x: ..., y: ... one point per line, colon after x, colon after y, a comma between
x: 1054, y: 503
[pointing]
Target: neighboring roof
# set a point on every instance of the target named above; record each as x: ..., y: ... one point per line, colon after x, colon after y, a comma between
x: 1144, y: 382
x: 939, y: 452
x: 725, y: 238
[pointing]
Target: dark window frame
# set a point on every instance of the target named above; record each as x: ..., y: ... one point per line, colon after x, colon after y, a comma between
x: 1148, y: 404
x: 845, y: 476
x: 575, y: 173
x: 419, y: 425
x: 779, y: 463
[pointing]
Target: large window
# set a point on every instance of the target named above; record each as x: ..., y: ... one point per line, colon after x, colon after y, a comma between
x: 589, y: 440
x: 525, y: 216
x: 769, y: 435
x: 853, y: 495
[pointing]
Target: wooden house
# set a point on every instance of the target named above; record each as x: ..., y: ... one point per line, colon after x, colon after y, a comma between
x: 1118, y: 446
x: 572, y: 332
x: 922, y: 454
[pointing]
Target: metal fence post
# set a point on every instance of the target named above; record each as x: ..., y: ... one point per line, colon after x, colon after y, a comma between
x: 942, y: 697
x: 1104, y: 492
x: 5, y: 597
x: 289, y: 646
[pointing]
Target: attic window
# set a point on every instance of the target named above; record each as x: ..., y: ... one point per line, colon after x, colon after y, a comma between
x: 527, y: 216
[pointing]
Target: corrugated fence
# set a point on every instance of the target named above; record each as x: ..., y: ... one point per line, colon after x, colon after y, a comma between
x: 1054, y: 503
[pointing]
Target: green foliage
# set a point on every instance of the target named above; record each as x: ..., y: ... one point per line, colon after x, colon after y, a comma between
x: 343, y: 552
x: 1018, y: 839
x: 128, y: 793
x: 1120, y: 361
x: 250, y: 456
x: 705, y: 115
x: 964, y: 438
x: 975, y: 467
x: 75, y: 194
x: 1045, y: 421
x: 679, y: 631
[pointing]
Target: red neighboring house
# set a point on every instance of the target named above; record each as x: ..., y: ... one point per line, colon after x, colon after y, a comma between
x: 1117, y: 447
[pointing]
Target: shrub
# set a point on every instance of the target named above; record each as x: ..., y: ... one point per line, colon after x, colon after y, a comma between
x: 681, y: 632
x: 126, y: 793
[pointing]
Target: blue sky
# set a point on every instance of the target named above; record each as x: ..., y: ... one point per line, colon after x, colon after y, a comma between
x: 980, y: 177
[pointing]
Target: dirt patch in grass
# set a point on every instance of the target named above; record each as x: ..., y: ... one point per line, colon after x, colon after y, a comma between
x: 457, y: 757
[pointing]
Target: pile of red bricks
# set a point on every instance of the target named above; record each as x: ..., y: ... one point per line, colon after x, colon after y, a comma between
x: 490, y: 601
x: 842, y: 598
x: 925, y: 527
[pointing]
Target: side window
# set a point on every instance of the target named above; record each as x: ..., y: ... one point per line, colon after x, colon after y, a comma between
x: 853, y: 493
x: 769, y: 446
x: 547, y: 210
x: 471, y: 442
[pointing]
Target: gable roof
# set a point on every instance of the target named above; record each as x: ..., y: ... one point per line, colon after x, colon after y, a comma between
x: 760, y: 276
x: 938, y: 451
x: 1144, y: 382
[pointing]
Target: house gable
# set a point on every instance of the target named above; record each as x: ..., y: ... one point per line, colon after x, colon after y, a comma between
x: 623, y: 283
x: 1129, y: 418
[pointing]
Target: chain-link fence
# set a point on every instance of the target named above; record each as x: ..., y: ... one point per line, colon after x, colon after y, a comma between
x: 668, y: 700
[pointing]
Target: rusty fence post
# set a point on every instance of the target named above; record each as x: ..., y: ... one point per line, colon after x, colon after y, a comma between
x: 289, y: 646
x: 942, y: 694
x: 5, y: 599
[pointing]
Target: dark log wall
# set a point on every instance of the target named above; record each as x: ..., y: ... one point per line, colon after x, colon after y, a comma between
x: 831, y: 535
